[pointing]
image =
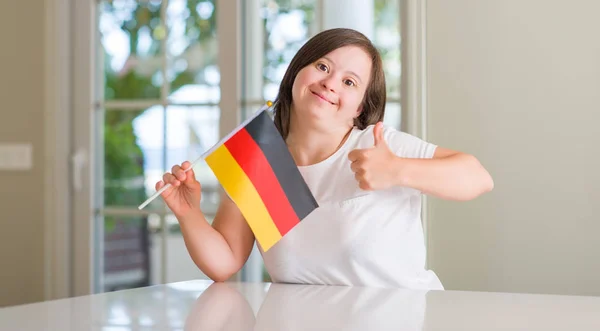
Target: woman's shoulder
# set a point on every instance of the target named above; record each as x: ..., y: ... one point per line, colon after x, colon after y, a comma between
x: 402, y: 143
x: 366, y: 136
x: 387, y: 129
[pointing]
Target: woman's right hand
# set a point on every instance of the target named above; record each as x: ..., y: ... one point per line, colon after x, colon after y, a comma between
x: 184, y: 194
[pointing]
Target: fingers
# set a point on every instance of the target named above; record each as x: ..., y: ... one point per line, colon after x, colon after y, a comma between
x: 353, y: 155
x: 190, y: 175
x: 362, y: 183
x: 357, y: 167
x: 358, y: 154
x: 178, y: 172
x: 169, y: 178
x: 178, y: 175
x: 358, y: 178
x: 159, y: 185
x: 353, y: 166
x: 183, y: 172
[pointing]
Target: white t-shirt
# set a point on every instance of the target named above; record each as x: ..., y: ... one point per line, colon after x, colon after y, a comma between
x: 357, y: 237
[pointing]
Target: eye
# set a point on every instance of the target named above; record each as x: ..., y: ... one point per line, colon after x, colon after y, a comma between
x: 322, y: 67
x: 349, y: 82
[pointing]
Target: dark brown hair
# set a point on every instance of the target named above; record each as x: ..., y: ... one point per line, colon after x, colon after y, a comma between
x: 373, y: 105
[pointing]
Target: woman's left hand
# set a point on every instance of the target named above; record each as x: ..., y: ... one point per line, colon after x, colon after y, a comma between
x: 375, y: 168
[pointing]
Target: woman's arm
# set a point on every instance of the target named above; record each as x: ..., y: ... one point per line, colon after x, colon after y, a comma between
x: 448, y: 175
x: 219, y: 250
x: 222, y: 249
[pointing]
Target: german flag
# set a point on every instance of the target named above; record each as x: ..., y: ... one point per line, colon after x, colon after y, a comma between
x: 258, y: 173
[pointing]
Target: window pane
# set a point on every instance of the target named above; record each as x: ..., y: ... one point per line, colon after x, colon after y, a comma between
x: 128, y: 247
x: 180, y: 266
x: 387, y: 39
x: 133, y: 156
x: 250, y: 110
x: 130, y: 35
x: 392, y: 114
x: 192, y: 51
x: 192, y: 130
x: 288, y: 26
x: 139, y: 145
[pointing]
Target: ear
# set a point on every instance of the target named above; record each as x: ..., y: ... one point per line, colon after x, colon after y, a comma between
x: 359, y: 111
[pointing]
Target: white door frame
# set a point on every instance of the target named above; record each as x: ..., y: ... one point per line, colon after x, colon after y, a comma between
x: 69, y: 61
x: 83, y: 100
x: 57, y: 149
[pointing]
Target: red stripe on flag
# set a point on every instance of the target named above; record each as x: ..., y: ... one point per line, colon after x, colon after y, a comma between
x: 254, y: 163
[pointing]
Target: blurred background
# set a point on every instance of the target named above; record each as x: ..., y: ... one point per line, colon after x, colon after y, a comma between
x: 101, y: 97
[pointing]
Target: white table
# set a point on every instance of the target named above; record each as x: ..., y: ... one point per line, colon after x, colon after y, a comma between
x: 203, y: 305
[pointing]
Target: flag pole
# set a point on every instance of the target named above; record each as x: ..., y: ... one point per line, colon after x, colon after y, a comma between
x: 209, y: 151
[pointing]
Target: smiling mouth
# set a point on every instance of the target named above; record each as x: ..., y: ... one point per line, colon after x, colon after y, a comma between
x: 322, y: 97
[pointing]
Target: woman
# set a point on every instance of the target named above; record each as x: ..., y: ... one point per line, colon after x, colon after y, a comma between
x: 367, y: 178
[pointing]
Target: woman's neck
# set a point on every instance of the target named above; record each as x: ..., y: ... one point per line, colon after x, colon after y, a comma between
x: 310, y: 146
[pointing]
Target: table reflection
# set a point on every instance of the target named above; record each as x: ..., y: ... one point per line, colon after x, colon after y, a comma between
x: 306, y: 307
x: 220, y: 307
x: 203, y: 305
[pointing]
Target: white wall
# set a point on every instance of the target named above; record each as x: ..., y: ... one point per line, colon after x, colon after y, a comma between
x: 517, y: 83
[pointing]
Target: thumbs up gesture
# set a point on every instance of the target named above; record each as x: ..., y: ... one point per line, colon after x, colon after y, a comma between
x: 374, y: 168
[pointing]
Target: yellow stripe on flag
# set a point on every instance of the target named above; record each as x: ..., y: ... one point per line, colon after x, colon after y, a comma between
x: 242, y: 192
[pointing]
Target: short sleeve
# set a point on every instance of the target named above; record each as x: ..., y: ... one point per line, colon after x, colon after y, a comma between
x: 406, y: 145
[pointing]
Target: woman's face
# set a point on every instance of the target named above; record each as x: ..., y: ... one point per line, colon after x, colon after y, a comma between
x: 330, y: 91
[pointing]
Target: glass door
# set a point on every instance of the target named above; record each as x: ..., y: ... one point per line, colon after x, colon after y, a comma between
x: 158, y: 105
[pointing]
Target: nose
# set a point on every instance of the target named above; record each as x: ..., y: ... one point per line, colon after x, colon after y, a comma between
x: 329, y: 83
